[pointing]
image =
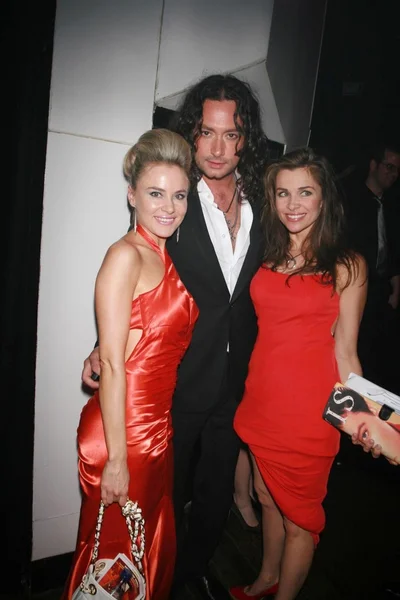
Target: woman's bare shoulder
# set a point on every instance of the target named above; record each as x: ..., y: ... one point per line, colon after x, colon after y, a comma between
x: 122, y: 255
x: 352, y: 273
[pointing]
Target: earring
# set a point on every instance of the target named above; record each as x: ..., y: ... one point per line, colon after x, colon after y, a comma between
x: 177, y: 234
x: 134, y: 220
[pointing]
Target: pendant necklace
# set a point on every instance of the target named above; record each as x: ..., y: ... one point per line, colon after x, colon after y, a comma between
x: 232, y: 225
x: 291, y: 261
x: 231, y: 202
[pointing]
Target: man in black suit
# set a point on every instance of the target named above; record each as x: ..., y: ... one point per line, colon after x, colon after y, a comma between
x: 217, y: 251
x: 370, y: 234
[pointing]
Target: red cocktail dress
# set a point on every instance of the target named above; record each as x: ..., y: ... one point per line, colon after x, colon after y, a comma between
x: 291, y: 374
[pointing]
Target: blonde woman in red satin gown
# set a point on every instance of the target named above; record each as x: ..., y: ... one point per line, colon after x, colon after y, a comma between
x: 309, y: 297
x: 145, y: 319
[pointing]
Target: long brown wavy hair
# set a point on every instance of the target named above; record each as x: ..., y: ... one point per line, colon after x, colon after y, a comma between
x: 254, y: 154
x: 324, y: 248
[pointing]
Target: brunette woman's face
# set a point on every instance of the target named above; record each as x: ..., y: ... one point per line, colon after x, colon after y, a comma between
x: 298, y: 200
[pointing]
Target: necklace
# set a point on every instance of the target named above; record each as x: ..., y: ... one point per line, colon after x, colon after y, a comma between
x: 231, y: 202
x: 232, y: 225
x: 291, y: 261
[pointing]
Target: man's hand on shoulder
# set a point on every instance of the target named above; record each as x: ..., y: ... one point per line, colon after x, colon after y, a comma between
x: 90, y: 366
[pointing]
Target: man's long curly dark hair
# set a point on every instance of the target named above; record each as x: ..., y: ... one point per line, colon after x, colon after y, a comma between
x: 324, y: 248
x: 254, y: 153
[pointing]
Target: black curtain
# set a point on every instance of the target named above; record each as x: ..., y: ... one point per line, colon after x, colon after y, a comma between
x: 26, y: 50
x: 356, y: 98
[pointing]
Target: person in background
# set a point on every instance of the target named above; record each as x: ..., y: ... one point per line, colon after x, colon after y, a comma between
x: 125, y: 430
x: 216, y: 254
x: 370, y: 234
x: 309, y: 296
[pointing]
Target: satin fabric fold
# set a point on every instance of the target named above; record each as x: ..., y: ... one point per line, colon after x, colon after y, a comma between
x: 166, y: 315
x: 291, y: 374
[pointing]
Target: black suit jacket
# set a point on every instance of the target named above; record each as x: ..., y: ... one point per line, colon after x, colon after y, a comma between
x: 362, y: 236
x: 222, y: 319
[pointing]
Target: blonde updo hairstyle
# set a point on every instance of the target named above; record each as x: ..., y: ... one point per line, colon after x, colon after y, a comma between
x: 154, y: 147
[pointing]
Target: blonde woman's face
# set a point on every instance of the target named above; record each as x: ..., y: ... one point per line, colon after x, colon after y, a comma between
x: 160, y: 199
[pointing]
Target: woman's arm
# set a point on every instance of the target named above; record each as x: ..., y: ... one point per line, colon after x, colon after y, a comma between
x: 351, y: 306
x: 115, y: 286
x: 352, y: 302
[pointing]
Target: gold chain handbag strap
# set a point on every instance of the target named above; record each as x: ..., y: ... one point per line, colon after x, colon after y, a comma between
x: 135, y: 524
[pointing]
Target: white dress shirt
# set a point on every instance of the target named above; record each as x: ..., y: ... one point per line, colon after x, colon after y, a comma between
x: 230, y: 261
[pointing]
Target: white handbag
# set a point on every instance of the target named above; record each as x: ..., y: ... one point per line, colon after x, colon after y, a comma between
x: 116, y: 578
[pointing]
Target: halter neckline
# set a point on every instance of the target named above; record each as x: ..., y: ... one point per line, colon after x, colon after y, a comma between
x: 145, y: 234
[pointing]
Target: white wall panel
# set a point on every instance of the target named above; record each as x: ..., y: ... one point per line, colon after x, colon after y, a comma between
x: 54, y: 536
x: 85, y: 210
x: 104, y: 67
x: 210, y: 36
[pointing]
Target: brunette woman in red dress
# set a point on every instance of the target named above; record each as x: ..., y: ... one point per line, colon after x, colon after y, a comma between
x: 145, y: 318
x: 309, y: 297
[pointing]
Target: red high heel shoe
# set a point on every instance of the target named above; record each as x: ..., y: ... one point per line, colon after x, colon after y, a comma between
x: 238, y: 593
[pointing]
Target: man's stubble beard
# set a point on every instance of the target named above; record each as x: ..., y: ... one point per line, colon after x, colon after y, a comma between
x: 216, y: 176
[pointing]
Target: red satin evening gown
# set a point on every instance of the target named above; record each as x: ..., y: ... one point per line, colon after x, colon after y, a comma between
x: 291, y: 374
x: 166, y: 315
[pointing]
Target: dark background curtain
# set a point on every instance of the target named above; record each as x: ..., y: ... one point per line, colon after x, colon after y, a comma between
x: 26, y: 50
x: 357, y: 93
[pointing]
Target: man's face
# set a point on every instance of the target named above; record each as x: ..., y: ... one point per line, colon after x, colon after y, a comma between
x: 386, y: 172
x: 219, y: 140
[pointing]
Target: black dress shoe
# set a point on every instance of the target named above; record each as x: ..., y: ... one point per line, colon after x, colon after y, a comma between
x: 209, y: 587
x: 251, y: 528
